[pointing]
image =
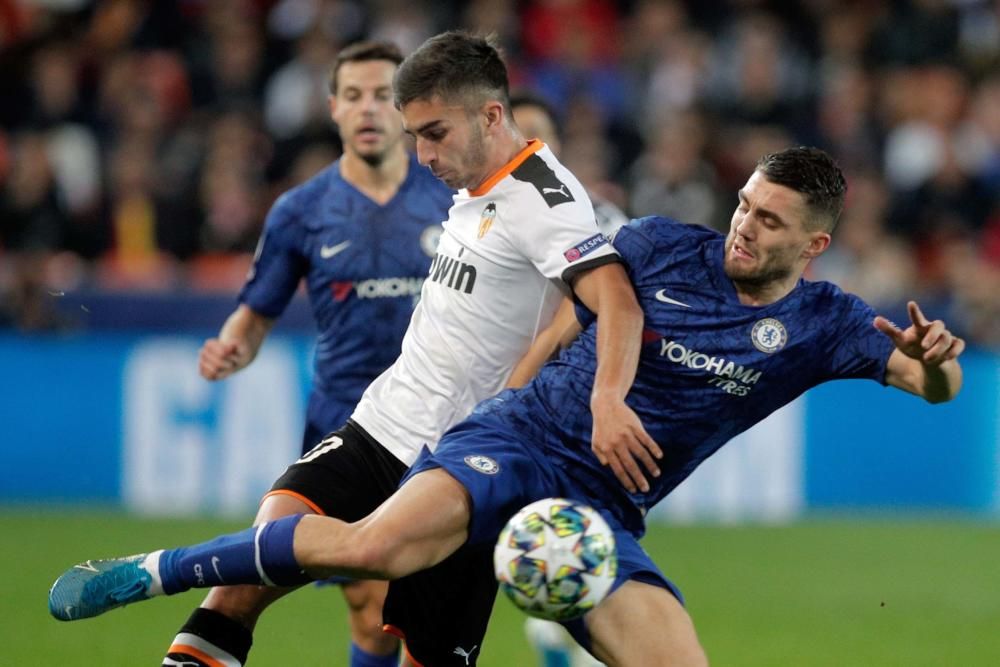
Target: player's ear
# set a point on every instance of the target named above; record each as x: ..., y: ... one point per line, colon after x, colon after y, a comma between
x: 818, y: 244
x: 331, y: 100
x: 493, y: 114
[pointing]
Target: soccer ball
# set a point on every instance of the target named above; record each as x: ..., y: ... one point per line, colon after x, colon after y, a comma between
x: 556, y: 559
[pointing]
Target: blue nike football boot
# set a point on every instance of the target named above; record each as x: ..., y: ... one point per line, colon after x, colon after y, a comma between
x: 97, y: 586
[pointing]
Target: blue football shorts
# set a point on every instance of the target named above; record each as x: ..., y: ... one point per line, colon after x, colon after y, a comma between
x: 502, y: 474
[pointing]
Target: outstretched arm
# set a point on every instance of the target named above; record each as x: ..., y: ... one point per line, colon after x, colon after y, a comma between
x: 925, y: 361
x: 618, y: 439
x: 239, y: 340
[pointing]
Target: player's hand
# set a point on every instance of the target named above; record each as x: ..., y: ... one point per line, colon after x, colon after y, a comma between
x: 218, y: 360
x: 928, y: 342
x: 621, y: 443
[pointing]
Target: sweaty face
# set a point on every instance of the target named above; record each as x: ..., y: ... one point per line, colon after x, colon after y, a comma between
x: 369, y: 124
x: 768, y: 242
x: 449, y: 141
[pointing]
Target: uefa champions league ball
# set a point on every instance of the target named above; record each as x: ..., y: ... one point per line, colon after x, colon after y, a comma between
x: 556, y: 559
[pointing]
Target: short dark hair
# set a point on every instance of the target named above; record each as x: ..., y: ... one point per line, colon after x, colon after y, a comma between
x: 452, y: 65
x: 812, y: 172
x: 363, y: 51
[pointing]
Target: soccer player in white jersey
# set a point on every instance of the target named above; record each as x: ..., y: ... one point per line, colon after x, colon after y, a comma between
x: 520, y: 234
x: 367, y: 219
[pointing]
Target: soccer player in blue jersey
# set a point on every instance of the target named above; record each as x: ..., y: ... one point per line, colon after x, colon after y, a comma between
x: 361, y: 233
x: 732, y: 332
x: 519, y: 236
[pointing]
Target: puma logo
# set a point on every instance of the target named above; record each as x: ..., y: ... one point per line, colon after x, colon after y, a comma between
x: 560, y: 190
x: 465, y: 654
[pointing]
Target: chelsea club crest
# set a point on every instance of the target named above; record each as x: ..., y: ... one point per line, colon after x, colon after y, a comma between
x: 483, y: 464
x: 429, y: 239
x: 769, y: 335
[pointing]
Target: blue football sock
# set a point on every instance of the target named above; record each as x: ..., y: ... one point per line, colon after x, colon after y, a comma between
x: 258, y: 555
x: 362, y: 658
x: 554, y: 657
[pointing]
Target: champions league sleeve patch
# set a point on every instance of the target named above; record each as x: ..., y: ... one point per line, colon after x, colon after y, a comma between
x: 583, y: 249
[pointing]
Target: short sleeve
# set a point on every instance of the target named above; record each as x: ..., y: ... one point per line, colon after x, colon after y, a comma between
x: 563, y: 240
x: 635, y: 244
x: 278, y: 263
x: 858, y: 349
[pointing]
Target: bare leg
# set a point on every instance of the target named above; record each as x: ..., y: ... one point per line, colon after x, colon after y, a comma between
x: 640, y: 625
x: 364, y: 602
x: 420, y: 525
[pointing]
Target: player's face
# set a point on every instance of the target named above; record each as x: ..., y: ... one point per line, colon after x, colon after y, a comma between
x: 449, y: 141
x: 369, y: 124
x: 769, y: 242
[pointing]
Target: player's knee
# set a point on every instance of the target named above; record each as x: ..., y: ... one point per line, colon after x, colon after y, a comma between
x: 640, y: 620
x: 280, y: 505
x: 365, y: 596
x: 364, y: 602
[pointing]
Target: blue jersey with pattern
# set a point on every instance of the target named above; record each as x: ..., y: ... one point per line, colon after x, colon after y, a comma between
x: 710, y: 367
x: 363, y: 265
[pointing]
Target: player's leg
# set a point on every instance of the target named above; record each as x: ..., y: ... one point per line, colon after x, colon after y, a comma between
x: 345, y: 475
x: 370, y: 644
x: 643, y: 620
x: 553, y: 645
x: 443, y: 612
x: 418, y: 527
x: 222, y: 627
x: 641, y: 624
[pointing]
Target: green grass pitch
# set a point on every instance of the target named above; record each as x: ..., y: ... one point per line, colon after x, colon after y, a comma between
x: 824, y: 592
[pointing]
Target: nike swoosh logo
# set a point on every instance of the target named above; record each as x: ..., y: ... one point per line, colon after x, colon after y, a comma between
x: 328, y: 251
x: 215, y: 566
x: 662, y: 296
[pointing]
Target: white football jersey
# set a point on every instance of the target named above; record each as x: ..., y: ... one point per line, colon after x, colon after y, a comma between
x: 502, y: 264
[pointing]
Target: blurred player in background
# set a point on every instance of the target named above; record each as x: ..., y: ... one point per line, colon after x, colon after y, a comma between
x: 731, y: 333
x: 520, y: 234
x: 536, y: 118
x: 361, y: 233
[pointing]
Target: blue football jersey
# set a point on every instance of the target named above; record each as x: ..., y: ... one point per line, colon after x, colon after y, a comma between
x: 363, y: 264
x: 710, y: 366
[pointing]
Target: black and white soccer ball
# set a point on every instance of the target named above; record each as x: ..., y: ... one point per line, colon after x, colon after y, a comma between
x: 556, y: 559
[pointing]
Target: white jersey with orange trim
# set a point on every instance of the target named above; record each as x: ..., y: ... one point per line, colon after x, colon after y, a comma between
x: 508, y: 250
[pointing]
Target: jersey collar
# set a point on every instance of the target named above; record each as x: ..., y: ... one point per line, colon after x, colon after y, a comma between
x: 534, y: 145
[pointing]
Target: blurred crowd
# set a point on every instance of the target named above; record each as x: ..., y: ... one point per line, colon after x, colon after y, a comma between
x: 142, y: 141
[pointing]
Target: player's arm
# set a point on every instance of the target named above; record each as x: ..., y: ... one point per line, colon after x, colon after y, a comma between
x: 925, y: 361
x: 558, y: 335
x: 236, y: 346
x: 619, y: 439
